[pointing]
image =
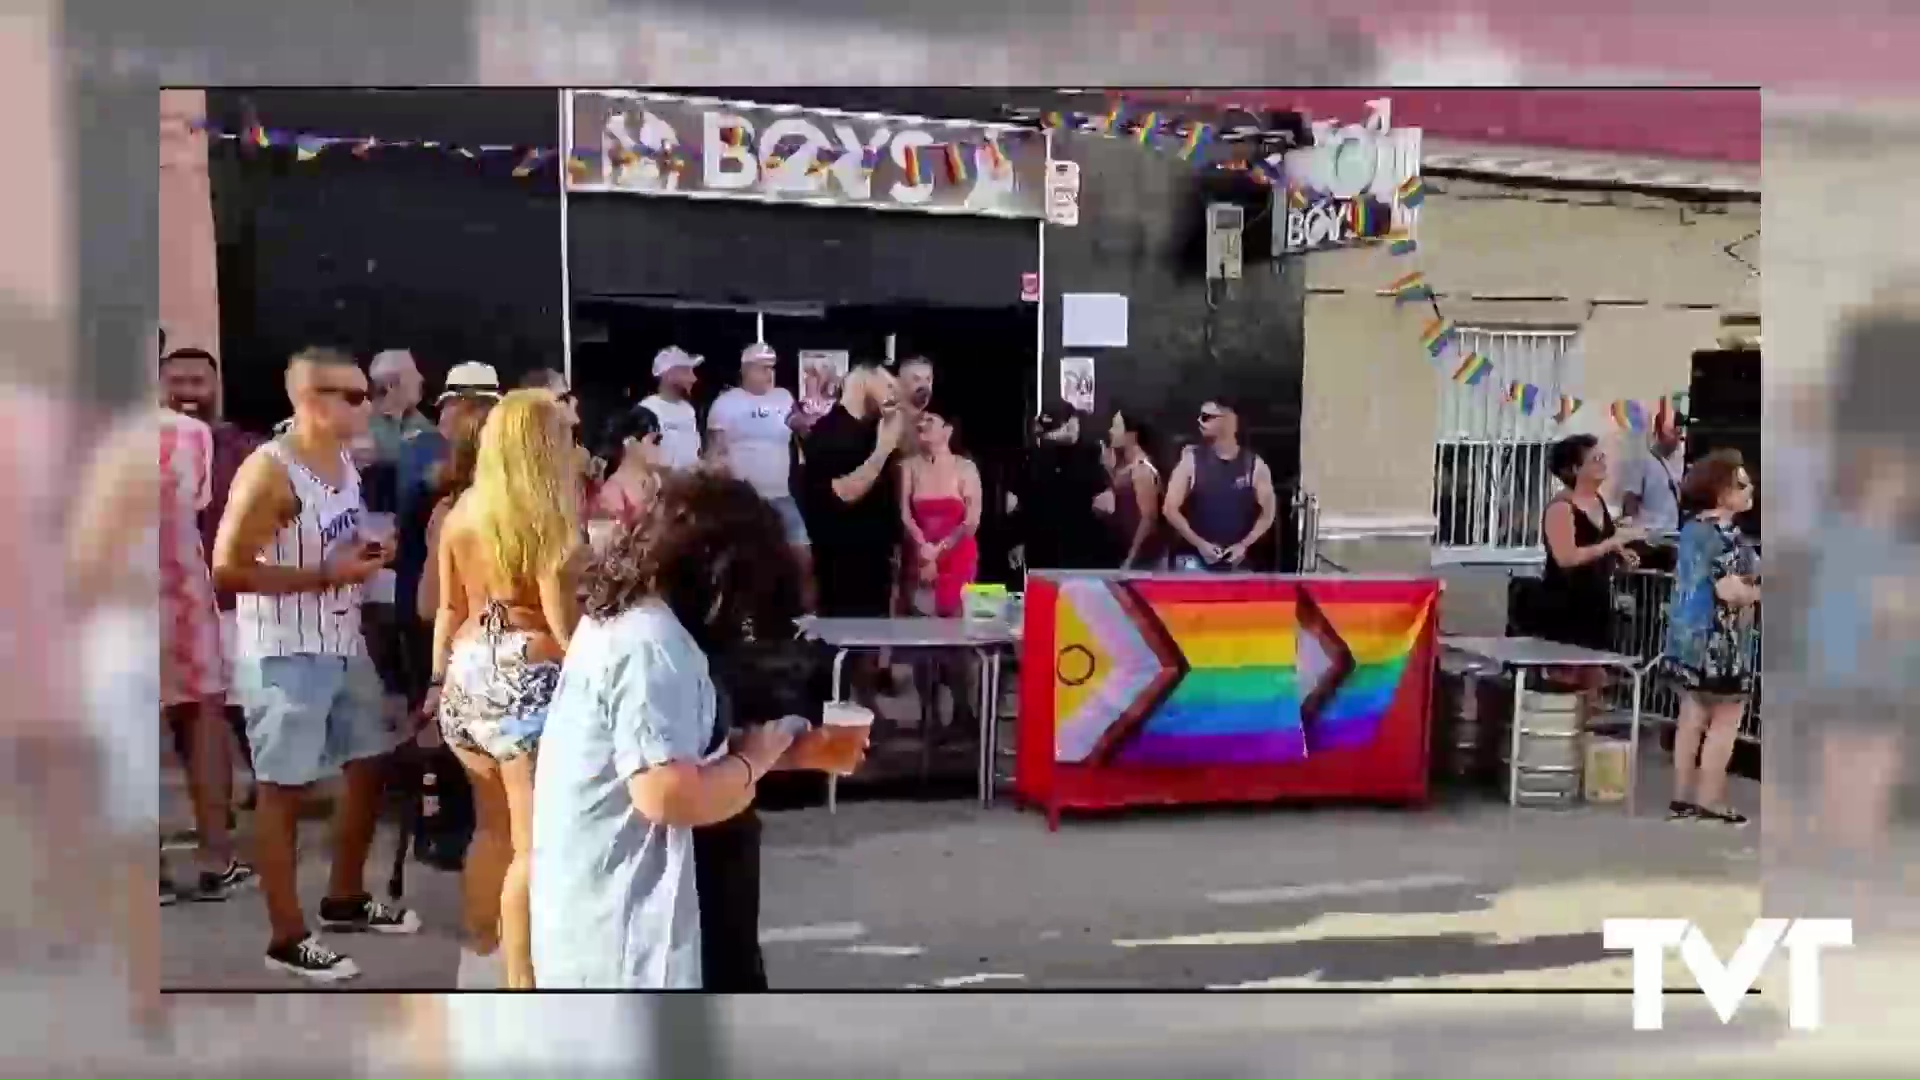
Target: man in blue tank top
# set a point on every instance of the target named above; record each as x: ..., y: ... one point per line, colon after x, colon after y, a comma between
x: 1220, y: 500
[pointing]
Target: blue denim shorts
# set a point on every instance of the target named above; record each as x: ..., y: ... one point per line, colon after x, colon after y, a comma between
x: 309, y: 714
x: 796, y: 525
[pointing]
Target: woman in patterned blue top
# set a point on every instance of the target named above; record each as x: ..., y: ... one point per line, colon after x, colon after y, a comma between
x: 1709, y: 648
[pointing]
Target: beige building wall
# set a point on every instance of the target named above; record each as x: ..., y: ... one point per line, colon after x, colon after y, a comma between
x: 189, y: 283
x: 1645, y: 281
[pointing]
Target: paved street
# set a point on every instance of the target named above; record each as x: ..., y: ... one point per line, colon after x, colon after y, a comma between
x: 890, y: 895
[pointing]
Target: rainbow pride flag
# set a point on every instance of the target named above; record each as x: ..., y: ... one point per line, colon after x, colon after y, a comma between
x: 1110, y: 123
x: 1525, y: 395
x: 1628, y: 414
x: 308, y: 147
x: 1403, y: 245
x: 1197, y: 137
x: 1411, y: 287
x: 1473, y: 368
x: 576, y: 169
x: 1413, y: 193
x: 1297, y: 198
x: 733, y: 135
x: 910, y: 164
x: 1360, y: 216
x: 259, y: 137
x: 1148, y: 128
x: 996, y: 161
x: 1568, y: 406
x: 528, y: 162
x: 1053, y: 120
x: 1437, y: 336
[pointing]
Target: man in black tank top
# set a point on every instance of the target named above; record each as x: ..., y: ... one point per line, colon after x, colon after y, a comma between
x: 1220, y: 500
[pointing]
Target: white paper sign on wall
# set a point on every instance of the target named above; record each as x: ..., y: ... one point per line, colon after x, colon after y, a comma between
x: 1063, y: 193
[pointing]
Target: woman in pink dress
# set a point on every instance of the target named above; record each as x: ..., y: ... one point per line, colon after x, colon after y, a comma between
x: 192, y: 667
x: 940, y: 510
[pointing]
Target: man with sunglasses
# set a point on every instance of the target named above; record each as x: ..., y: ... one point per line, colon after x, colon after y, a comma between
x: 291, y: 547
x: 1220, y: 501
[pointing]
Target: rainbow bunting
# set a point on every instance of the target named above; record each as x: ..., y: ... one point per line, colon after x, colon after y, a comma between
x: 528, y: 162
x: 1110, y: 123
x: 996, y: 161
x: 1412, y: 193
x: 1297, y: 198
x: 1629, y: 415
x: 1568, y: 406
x: 956, y: 164
x: 577, y: 169
x: 1149, y: 127
x: 1529, y: 399
x: 1403, y: 245
x: 1053, y: 120
x: 1410, y: 288
x: 1436, y: 337
x: 733, y: 136
x: 307, y: 147
x: 1472, y: 369
x: 869, y: 160
x: 910, y: 164
x: 257, y: 135
x: 1197, y: 137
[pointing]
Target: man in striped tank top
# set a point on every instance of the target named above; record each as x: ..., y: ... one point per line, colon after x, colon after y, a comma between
x: 290, y: 547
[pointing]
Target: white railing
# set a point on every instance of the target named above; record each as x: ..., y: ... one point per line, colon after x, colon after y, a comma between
x: 1490, y: 478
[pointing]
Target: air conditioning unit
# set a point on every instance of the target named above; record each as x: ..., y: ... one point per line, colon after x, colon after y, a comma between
x: 1225, y: 223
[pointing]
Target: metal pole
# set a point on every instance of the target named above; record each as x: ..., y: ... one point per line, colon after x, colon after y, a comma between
x: 1040, y: 306
x: 566, y: 273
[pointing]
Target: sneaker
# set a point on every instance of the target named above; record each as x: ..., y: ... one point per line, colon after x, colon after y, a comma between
x: 1723, y: 817
x: 218, y: 885
x: 1682, y: 811
x: 365, y: 915
x: 310, y: 958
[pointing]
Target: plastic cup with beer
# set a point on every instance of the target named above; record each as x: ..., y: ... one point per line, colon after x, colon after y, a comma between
x: 846, y: 728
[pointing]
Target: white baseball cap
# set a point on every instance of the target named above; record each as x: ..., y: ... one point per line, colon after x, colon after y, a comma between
x: 472, y: 378
x: 671, y: 357
x: 758, y: 353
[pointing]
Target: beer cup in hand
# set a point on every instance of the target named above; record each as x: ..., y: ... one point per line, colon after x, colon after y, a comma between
x: 845, y: 730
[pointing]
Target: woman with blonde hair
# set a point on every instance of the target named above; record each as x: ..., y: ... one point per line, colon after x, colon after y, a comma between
x: 507, y: 557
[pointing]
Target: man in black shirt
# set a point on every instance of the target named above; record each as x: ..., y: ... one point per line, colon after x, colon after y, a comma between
x: 848, y: 496
x: 1054, y: 501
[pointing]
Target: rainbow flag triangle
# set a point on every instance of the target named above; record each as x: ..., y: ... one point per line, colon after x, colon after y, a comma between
x: 1412, y: 193
x: 1437, y: 336
x: 1473, y: 368
x: 1568, y: 406
x: 1411, y: 287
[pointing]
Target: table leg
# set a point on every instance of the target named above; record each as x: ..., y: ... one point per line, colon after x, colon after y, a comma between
x: 1633, y: 743
x: 980, y: 691
x: 993, y: 726
x: 1513, y: 737
x: 836, y: 694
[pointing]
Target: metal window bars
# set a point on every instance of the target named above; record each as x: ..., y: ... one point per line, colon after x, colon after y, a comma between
x: 1491, y: 483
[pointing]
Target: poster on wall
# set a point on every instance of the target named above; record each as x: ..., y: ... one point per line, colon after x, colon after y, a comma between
x: 1346, y: 188
x: 1076, y: 382
x: 1093, y: 320
x: 664, y: 144
x: 821, y: 373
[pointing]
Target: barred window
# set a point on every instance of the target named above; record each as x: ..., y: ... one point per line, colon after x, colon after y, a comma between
x: 1490, y: 478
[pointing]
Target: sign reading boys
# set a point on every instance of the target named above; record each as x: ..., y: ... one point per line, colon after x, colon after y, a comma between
x: 663, y: 144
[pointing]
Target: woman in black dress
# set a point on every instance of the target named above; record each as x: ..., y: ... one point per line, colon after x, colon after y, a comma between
x: 1573, y: 604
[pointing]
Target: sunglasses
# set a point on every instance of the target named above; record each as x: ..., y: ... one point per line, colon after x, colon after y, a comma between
x: 353, y: 396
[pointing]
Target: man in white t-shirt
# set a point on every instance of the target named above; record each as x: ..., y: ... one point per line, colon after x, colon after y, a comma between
x: 750, y: 429
x: 672, y: 403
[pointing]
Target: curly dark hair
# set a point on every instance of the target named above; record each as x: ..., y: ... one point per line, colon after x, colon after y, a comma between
x: 1709, y: 478
x: 715, y: 552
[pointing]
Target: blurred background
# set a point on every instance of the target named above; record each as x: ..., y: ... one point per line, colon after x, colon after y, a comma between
x: 1841, y: 315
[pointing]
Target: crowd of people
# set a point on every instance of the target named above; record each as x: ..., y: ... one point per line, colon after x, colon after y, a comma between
x: 551, y: 602
x: 1708, y: 651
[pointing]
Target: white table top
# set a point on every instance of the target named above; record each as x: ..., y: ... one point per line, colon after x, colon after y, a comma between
x: 908, y: 632
x: 1534, y: 652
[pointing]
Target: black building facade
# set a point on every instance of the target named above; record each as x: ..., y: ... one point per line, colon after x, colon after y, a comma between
x: 459, y: 260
